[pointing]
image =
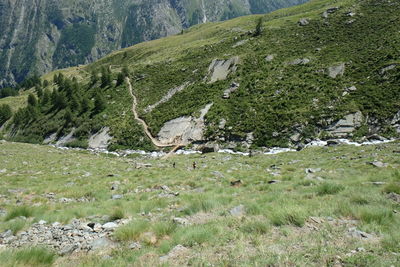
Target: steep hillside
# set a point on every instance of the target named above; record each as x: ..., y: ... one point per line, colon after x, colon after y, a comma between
x: 40, y: 36
x: 316, y: 70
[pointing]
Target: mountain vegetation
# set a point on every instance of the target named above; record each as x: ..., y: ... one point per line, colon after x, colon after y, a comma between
x: 40, y: 36
x: 299, y: 70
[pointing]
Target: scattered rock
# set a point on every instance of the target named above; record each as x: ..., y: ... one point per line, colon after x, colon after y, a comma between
x: 274, y: 181
x: 143, y: 165
x: 177, y: 252
x: 228, y: 92
x: 295, y: 137
x: 347, y: 125
x: 310, y: 170
x: 353, y: 232
x: 209, y: 148
x: 303, y: 22
x: 299, y: 61
x: 101, y: 243
x: 238, y: 211
x: 332, y: 143
x: 376, y: 137
x: 236, y: 183
x: 101, y: 139
x: 220, y: 69
x: 116, y: 197
x: 269, y: 58
x: 378, y: 164
x: 110, y: 226
x: 242, y: 42
x: 181, y: 221
x: 135, y: 246
x: 337, y: 70
x: 68, y: 249
x: 386, y: 69
x: 393, y: 196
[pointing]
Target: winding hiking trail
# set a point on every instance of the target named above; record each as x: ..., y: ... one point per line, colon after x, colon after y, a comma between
x: 146, y: 127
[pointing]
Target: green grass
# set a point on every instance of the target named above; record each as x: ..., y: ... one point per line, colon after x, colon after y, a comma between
x: 28, y: 257
x: 290, y: 217
x: 131, y: 231
x: 392, y: 188
x: 329, y: 189
x: 24, y: 211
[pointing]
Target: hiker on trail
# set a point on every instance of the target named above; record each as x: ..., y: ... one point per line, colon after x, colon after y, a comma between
x: 174, y: 165
x: 194, y: 165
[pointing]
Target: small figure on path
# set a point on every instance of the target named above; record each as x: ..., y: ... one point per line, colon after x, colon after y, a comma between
x: 194, y: 165
x: 174, y: 165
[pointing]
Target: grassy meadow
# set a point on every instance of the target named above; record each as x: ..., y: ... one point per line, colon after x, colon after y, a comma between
x: 292, y: 209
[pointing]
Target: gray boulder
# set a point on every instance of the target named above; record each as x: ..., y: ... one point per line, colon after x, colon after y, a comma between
x: 303, y: 22
x: 347, y: 125
x: 101, y: 243
x: 337, y: 70
x: 238, y: 211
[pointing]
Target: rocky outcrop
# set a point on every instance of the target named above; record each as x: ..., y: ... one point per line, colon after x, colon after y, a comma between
x: 184, y: 129
x: 77, y: 236
x: 337, y: 70
x: 167, y: 97
x: 346, y: 126
x: 220, y: 69
x: 101, y: 139
x: 396, y: 122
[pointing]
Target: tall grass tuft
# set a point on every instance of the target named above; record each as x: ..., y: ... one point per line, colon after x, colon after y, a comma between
x: 329, y: 189
x: 19, y: 211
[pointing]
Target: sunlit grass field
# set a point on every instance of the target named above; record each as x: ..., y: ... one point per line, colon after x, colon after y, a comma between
x: 287, y: 217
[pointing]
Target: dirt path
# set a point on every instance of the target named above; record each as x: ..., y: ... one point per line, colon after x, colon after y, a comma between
x: 144, y: 124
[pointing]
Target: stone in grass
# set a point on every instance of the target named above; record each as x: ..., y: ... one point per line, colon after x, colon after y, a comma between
x: 274, y: 181
x: 67, y: 249
x: 181, y: 221
x: 303, y: 22
x: 110, y: 226
x: 236, y: 183
x: 311, y: 170
x: 378, y: 164
x: 177, y: 252
x: 135, y: 246
x: 238, y: 211
x: 353, y: 232
x: 116, y: 197
x: 101, y: 243
x: 149, y: 238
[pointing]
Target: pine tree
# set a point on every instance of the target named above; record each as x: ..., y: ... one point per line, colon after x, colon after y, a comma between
x: 32, y: 101
x: 93, y: 78
x: 5, y: 113
x: 86, y: 104
x: 68, y: 116
x: 39, y: 91
x: 99, y: 103
x: 105, y: 77
x: 259, y: 27
x: 120, y: 79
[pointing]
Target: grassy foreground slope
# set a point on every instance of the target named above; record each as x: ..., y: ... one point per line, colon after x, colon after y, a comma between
x: 283, y: 76
x: 303, y: 219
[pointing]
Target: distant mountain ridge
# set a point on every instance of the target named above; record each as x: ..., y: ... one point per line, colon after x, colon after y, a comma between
x: 38, y: 36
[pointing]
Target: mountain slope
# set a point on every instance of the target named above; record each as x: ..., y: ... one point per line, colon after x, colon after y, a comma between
x: 285, y: 86
x: 40, y: 36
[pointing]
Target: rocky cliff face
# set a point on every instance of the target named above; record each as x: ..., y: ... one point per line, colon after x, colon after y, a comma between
x: 41, y: 35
